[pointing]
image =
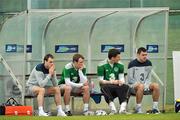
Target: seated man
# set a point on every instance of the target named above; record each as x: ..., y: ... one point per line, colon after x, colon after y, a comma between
x: 37, y: 84
x: 139, y: 79
x: 111, y: 79
x: 74, y: 80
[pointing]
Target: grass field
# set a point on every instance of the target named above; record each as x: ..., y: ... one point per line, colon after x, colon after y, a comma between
x: 162, y: 116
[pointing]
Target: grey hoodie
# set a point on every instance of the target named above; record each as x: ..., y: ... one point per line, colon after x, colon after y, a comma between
x: 139, y: 73
x: 40, y: 77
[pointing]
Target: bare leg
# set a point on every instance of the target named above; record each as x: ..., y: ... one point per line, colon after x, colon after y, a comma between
x: 86, y: 94
x: 86, y: 97
x: 57, y: 99
x: 156, y: 92
x: 40, y: 99
x: 40, y: 95
x: 139, y: 88
x: 67, y: 94
x: 57, y: 94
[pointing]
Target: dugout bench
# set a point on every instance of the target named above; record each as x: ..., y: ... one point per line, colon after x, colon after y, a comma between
x: 96, y: 96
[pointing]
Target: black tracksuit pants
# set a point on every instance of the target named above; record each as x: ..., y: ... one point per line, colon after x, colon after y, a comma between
x: 111, y: 91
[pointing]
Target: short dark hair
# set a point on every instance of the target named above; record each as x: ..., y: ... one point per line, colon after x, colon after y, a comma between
x: 47, y: 56
x: 141, y: 49
x: 113, y: 53
x: 77, y: 56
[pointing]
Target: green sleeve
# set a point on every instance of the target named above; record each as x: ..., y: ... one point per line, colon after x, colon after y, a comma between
x: 100, y: 71
x: 121, y: 70
x: 84, y: 71
x: 65, y: 74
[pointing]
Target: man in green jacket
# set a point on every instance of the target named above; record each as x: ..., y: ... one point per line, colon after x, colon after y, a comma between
x: 74, y: 80
x: 111, y: 79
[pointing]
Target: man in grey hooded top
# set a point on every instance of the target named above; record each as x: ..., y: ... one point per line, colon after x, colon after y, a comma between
x: 42, y: 80
x: 139, y: 79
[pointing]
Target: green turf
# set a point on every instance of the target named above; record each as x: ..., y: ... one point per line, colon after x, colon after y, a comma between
x: 164, y: 116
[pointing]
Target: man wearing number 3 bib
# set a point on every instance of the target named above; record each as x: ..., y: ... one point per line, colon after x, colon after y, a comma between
x: 139, y: 79
x: 112, y: 83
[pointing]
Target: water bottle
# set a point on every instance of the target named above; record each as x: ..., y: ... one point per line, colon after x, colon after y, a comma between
x: 92, y: 87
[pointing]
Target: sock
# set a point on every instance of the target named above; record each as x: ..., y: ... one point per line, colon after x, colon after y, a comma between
x: 86, y: 107
x: 60, y: 111
x: 155, y: 105
x: 138, y: 106
x: 59, y: 108
x: 41, y: 109
x: 123, y: 106
x: 112, y: 106
x: 67, y: 108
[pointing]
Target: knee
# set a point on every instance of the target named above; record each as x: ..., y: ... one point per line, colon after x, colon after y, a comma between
x: 41, y: 91
x: 57, y: 89
x: 86, y: 88
x: 139, y: 87
x: 126, y: 87
x: 155, y: 86
x: 67, y: 88
x: 104, y: 86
